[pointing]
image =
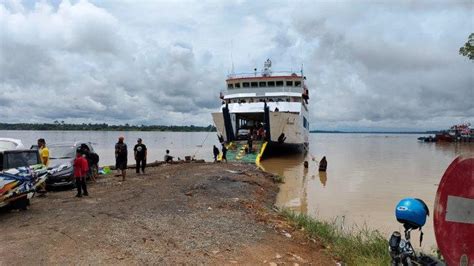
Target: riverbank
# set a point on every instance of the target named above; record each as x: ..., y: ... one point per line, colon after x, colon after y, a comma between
x: 353, y: 247
x: 194, y: 213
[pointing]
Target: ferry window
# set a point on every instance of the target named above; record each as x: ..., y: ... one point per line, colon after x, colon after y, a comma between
x: 289, y: 83
x: 279, y: 83
x: 271, y: 84
x: 262, y: 84
x: 254, y: 84
x: 230, y: 85
x: 245, y: 84
x: 237, y: 85
x: 297, y: 83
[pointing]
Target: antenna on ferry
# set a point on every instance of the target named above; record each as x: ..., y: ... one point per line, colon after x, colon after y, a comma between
x: 231, y: 56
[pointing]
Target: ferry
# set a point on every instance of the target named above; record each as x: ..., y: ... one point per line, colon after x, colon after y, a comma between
x: 263, y: 114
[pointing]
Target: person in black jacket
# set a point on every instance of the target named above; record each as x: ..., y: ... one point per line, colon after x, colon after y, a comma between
x: 215, y: 151
x: 140, y: 152
x: 121, y: 157
x: 224, y: 153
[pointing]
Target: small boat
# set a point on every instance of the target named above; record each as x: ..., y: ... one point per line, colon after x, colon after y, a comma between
x: 18, y: 185
x: 10, y: 144
x: 427, y: 139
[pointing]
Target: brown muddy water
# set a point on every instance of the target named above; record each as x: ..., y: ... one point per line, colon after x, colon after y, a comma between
x: 367, y: 173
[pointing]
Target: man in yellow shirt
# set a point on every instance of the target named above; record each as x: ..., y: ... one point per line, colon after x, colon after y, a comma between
x: 44, y: 156
x: 44, y: 151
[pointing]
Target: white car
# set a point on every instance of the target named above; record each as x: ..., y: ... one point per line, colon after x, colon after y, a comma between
x: 10, y: 144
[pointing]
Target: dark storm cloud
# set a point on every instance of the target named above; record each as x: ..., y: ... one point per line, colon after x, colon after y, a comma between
x: 392, y: 64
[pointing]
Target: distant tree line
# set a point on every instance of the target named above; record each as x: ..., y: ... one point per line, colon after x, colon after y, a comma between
x: 103, y: 127
x: 375, y: 132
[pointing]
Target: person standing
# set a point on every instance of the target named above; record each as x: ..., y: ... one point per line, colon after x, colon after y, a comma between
x: 44, y: 157
x: 215, y: 151
x: 81, y: 168
x: 249, y: 142
x: 121, y: 156
x: 92, y: 161
x: 43, y: 151
x: 140, y: 152
x: 224, y: 153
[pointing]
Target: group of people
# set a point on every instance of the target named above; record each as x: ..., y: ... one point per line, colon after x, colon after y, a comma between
x: 84, y: 161
x: 140, y: 153
x: 215, y: 152
x: 257, y: 132
x: 81, y: 170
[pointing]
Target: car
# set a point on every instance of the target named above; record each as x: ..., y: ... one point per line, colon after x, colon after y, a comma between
x: 243, y: 134
x: 10, y: 144
x: 18, y: 158
x: 61, y: 162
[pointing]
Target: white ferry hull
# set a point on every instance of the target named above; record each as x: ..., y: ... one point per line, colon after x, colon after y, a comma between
x: 287, y: 133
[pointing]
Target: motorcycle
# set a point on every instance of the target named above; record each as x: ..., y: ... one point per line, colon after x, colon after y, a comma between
x: 412, y: 214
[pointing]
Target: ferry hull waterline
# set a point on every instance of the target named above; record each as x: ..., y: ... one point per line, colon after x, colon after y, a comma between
x: 263, y: 114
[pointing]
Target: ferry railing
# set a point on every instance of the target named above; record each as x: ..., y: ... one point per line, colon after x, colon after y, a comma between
x: 262, y: 90
x: 260, y: 74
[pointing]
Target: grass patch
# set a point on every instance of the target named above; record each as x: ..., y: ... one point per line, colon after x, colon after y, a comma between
x: 357, y: 247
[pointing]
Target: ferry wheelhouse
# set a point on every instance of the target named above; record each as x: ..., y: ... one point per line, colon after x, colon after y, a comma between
x: 271, y: 107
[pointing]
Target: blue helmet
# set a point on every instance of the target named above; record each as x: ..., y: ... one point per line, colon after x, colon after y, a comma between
x: 412, y: 213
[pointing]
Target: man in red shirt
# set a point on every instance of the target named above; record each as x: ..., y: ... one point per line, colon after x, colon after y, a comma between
x: 80, y: 173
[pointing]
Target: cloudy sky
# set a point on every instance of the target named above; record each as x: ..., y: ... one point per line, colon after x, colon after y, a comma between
x: 369, y: 64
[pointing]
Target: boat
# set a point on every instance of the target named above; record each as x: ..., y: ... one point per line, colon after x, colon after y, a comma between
x: 18, y: 185
x: 427, y: 139
x: 457, y: 133
x: 10, y: 144
x: 263, y: 113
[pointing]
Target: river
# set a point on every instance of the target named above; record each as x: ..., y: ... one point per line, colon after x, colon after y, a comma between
x: 367, y: 173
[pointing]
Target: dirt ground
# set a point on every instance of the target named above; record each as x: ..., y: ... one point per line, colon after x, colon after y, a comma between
x: 195, y: 213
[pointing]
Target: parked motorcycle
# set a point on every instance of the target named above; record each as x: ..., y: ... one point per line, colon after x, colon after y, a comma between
x: 412, y: 214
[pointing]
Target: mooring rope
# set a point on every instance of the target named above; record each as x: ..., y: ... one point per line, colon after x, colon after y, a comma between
x: 205, y: 138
